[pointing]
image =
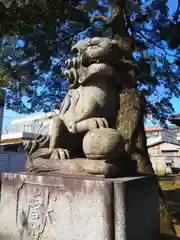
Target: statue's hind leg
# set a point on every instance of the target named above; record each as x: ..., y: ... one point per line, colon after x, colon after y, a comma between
x: 58, y: 133
x: 59, y: 140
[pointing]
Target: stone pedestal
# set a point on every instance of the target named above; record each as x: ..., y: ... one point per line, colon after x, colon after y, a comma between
x: 78, y: 208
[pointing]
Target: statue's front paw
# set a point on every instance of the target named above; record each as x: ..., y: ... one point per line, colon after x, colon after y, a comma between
x: 60, y: 153
x: 98, y: 123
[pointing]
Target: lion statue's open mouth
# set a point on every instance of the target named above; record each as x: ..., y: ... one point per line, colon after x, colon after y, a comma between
x: 97, y: 57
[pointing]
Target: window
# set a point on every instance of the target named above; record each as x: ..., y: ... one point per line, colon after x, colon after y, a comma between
x: 155, y: 133
x: 148, y: 134
x: 170, y: 153
x: 178, y: 135
x: 152, y: 134
x: 155, y: 152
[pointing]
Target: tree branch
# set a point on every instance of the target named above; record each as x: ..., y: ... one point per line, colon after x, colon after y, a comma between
x: 155, y: 44
x: 99, y: 17
x: 76, y: 15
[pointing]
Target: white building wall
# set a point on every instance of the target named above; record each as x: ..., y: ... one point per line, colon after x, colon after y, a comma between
x: 2, y: 102
x: 1, y: 118
x: 34, y: 124
x: 158, y: 163
x: 164, y: 153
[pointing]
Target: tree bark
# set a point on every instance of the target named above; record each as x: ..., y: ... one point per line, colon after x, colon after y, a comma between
x: 131, y: 127
x: 130, y: 120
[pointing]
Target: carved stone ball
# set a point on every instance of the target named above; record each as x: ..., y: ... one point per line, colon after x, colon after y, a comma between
x: 103, y: 143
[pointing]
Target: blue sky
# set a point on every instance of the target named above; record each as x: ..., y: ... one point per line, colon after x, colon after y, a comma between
x: 10, y: 115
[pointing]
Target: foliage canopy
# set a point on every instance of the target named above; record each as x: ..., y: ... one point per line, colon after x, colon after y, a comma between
x: 31, y: 71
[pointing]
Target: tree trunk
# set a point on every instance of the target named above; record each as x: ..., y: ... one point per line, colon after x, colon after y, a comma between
x: 131, y: 127
x: 130, y: 123
x: 130, y: 120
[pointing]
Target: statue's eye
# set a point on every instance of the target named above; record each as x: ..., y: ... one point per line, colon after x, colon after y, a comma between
x: 75, y: 51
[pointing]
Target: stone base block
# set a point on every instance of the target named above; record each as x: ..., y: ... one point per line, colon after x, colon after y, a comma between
x: 72, y: 207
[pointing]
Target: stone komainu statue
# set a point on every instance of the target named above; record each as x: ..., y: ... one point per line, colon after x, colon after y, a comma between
x: 84, y: 138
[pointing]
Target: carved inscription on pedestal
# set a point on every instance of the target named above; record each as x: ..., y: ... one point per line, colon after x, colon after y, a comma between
x: 37, y: 214
x: 34, y: 202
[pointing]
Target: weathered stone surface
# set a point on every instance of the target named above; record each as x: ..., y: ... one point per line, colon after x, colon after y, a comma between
x: 136, y: 208
x: 80, y: 166
x: 76, y: 207
x: 103, y: 143
x: 86, y: 123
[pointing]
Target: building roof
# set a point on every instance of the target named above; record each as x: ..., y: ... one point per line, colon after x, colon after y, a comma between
x: 160, y: 142
x: 153, y: 128
x: 175, y: 119
x: 11, y: 141
x: 158, y: 128
x: 177, y: 116
x: 23, y: 135
x: 16, y: 137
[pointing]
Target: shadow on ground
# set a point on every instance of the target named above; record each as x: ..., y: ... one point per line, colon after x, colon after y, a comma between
x: 166, y: 178
x: 166, y: 237
x: 170, y: 184
x: 172, y: 198
x: 175, y: 170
